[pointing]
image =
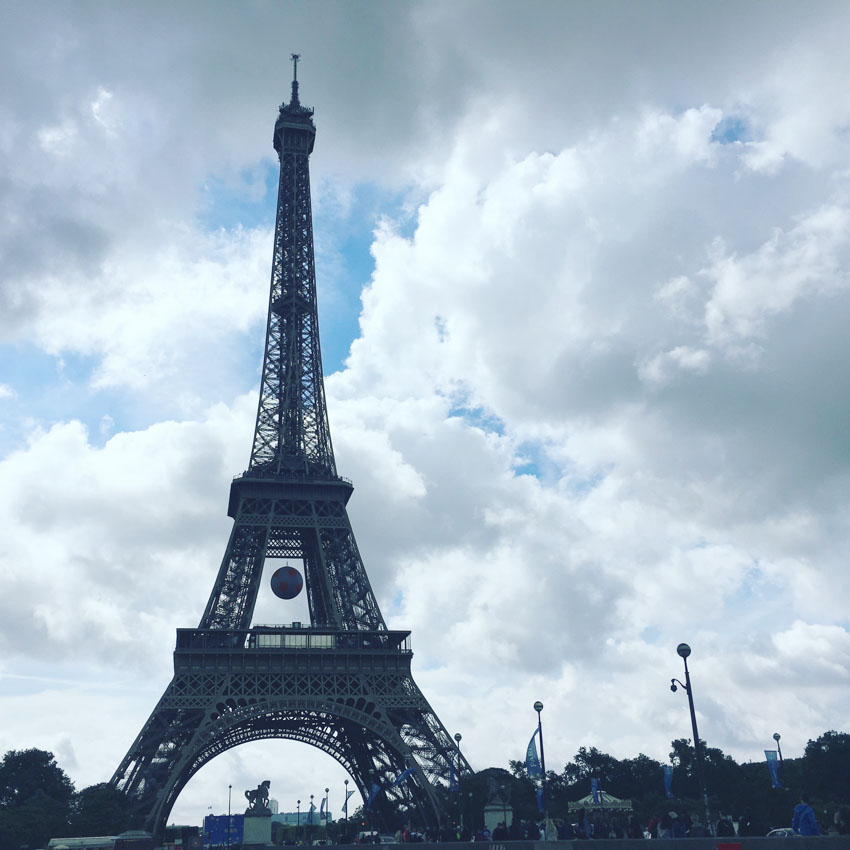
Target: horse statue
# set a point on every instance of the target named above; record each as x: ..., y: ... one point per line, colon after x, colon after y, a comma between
x: 258, y: 799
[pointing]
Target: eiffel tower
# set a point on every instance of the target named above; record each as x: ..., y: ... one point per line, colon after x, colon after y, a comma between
x: 342, y: 683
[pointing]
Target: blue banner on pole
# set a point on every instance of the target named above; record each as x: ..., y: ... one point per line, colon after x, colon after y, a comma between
x: 772, y: 757
x: 453, y: 783
x: 532, y: 762
x: 310, y: 813
x: 323, y: 815
x: 403, y: 776
x: 594, y: 789
x: 668, y: 780
x: 539, y: 792
x: 372, y: 794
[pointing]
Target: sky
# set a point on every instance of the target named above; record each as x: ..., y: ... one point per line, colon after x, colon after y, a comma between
x: 583, y: 296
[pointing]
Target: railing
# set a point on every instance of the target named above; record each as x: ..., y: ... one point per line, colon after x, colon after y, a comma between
x: 258, y: 475
x: 294, y: 637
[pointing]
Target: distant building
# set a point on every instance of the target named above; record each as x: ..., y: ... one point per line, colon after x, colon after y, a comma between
x: 292, y: 819
x: 273, y: 805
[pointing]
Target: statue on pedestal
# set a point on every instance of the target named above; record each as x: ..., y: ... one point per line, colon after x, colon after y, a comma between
x: 258, y: 799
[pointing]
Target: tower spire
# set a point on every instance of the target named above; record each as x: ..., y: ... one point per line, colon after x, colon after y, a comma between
x: 293, y: 101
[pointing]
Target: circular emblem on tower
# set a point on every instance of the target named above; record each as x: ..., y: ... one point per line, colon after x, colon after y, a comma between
x: 287, y: 583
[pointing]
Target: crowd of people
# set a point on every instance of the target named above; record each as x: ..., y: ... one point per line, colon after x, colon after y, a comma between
x: 668, y: 825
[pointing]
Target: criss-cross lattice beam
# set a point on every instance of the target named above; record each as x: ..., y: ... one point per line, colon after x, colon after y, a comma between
x: 292, y: 436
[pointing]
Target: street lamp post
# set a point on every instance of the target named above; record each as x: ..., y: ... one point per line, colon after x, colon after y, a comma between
x: 683, y: 650
x: 538, y: 707
x: 297, y: 819
x: 345, y: 805
x: 458, y: 739
x: 776, y: 737
x: 229, y: 789
x: 310, y: 820
x: 327, y: 809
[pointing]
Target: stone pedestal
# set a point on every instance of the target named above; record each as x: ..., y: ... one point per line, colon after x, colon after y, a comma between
x: 257, y: 830
x: 495, y: 813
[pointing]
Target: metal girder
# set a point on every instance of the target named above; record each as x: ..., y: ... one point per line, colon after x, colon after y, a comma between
x: 318, y: 532
x: 292, y: 435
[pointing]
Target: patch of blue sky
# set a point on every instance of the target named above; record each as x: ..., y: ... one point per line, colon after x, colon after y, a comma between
x: 532, y: 458
x: 582, y: 485
x: 343, y: 237
x: 44, y: 390
x: 397, y: 601
x: 478, y: 417
x: 344, y: 263
x: 247, y: 200
x: 732, y: 128
x: 757, y: 598
x: 651, y: 634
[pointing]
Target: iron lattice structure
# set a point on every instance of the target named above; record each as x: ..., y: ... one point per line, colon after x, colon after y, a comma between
x: 343, y: 683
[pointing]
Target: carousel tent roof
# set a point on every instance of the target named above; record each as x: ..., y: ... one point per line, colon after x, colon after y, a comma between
x: 605, y: 800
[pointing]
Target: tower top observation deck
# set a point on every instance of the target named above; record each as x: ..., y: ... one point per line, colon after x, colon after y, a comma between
x: 294, y: 116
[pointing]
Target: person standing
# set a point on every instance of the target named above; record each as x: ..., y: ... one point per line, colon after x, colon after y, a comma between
x: 583, y: 827
x: 724, y: 827
x: 803, y: 820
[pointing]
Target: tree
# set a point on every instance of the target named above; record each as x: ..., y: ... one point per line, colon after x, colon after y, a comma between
x: 590, y: 764
x: 24, y: 773
x: 518, y: 768
x: 35, y: 798
x: 102, y: 810
x: 637, y: 778
x: 825, y: 772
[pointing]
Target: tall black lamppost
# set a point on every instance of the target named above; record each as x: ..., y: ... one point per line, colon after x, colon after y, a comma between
x: 776, y: 737
x: 297, y: 819
x: 538, y: 707
x: 683, y: 650
x: 229, y: 788
x: 345, y: 806
x: 327, y: 810
x: 458, y: 739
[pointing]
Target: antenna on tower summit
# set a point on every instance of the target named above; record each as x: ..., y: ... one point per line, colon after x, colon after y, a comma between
x: 294, y: 99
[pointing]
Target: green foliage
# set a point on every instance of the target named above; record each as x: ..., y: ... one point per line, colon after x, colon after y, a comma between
x: 24, y: 773
x: 35, y: 798
x: 102, y: 810
x: 732, y: 788
x: 826, y: 773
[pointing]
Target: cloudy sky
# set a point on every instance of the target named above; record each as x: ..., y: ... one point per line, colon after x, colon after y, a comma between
x: 584, y: 301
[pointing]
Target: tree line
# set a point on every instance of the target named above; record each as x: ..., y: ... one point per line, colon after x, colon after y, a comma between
x: 732, y: 788
x: 38, y: 800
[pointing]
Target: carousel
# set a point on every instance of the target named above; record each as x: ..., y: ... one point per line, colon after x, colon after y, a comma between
x: 602, y: 802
